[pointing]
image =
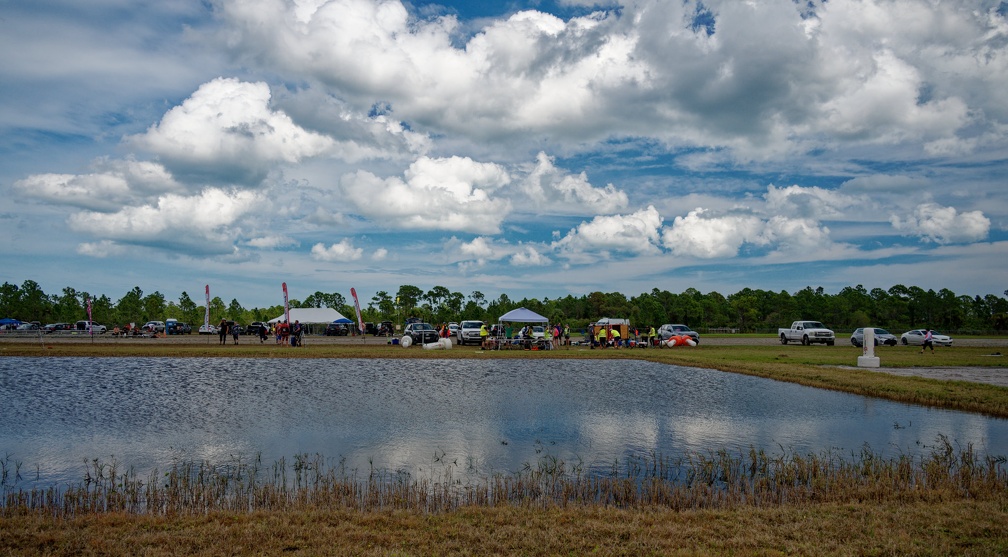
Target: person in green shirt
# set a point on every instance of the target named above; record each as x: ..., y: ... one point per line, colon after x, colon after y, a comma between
x: 484, y: 335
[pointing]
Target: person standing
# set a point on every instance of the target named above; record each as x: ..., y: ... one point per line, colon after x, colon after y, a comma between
x: 284, y: 331
x: 484, y: 335
x: 234, y: 332
x: 222, y: 330
x: 928, y: 341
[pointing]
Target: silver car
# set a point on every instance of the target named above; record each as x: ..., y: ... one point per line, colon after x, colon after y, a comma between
x: 882, y: 336
x: 670, y: 330
x: 916, y: 338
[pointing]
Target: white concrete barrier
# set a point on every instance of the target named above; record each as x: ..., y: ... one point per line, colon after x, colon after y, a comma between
x: 867, y: 357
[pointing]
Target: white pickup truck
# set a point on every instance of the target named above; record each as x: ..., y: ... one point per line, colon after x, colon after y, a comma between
x: 807, y: 332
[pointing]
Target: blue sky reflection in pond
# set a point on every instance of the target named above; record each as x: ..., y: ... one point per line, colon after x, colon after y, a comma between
x: 491, y: 415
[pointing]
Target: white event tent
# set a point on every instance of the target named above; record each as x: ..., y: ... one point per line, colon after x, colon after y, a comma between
x: 310, y: 316
x: 522, y: 315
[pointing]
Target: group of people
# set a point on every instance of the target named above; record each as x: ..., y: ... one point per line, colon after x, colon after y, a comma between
x: 611, y: 337
x: 289, y: 334
x: 443, y: 331
x: 284, y: 333
x: 554, y: 335
x: 224, y: 328
x: 127, y: 330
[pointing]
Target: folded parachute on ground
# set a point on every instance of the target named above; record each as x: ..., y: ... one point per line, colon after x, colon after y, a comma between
x: 678, y: 340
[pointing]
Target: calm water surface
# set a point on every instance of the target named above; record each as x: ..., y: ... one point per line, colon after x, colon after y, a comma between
x: 483, y: 416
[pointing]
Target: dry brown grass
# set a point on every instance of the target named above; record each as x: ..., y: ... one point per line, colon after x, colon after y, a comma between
x: 963, y: 527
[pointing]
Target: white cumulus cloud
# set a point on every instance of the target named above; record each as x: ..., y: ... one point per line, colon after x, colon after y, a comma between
x: 553, y: 191
x: 272, y: 242
x: 203, y: 222
x: 228, y: 122
x: 452, y: 193
x: 530, y: 256
x: 943, y: 225
x: 110, y: 185
x: 343, y: 251
x: 704, y: 236
x: 808, y: 202
x: 636, y: 233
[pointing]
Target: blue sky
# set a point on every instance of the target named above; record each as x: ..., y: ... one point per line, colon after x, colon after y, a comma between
x: 530, y: 148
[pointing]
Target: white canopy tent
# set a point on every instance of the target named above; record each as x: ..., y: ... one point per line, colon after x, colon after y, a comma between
x: 522, y: 315
x: 311, y: 316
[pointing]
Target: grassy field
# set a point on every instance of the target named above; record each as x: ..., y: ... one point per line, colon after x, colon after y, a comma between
x: 946, y: 504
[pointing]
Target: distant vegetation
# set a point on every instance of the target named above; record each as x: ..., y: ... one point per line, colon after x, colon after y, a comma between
x: 748, y: 311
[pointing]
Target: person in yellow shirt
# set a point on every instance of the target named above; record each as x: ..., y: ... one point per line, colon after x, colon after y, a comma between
x: 484, y: 335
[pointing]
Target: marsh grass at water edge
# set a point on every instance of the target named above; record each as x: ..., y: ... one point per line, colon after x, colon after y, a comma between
x: 713, y: 480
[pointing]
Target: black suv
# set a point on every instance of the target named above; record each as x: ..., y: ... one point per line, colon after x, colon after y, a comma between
x: 177, y: 328
x: 253, y: 329
x: 337, y: 330
x: 421, y: 333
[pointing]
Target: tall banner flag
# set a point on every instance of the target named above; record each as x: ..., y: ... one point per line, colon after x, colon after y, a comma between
x: 206, y: 314
x: 360, y: 322
x: 286, y: 307
x: 90, y: 322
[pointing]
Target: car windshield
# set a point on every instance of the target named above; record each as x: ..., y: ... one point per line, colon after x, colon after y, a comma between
x: 422, y: 326
x: 472, y: 324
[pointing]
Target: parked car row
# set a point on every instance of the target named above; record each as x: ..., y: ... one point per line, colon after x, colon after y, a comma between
x: 909, y: 338
x: 80, y: 326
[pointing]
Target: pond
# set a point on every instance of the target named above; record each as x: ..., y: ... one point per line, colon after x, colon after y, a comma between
x: 479, y: 415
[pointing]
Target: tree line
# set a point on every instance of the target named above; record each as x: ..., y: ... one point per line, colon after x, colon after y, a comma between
x: 748, y: 310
